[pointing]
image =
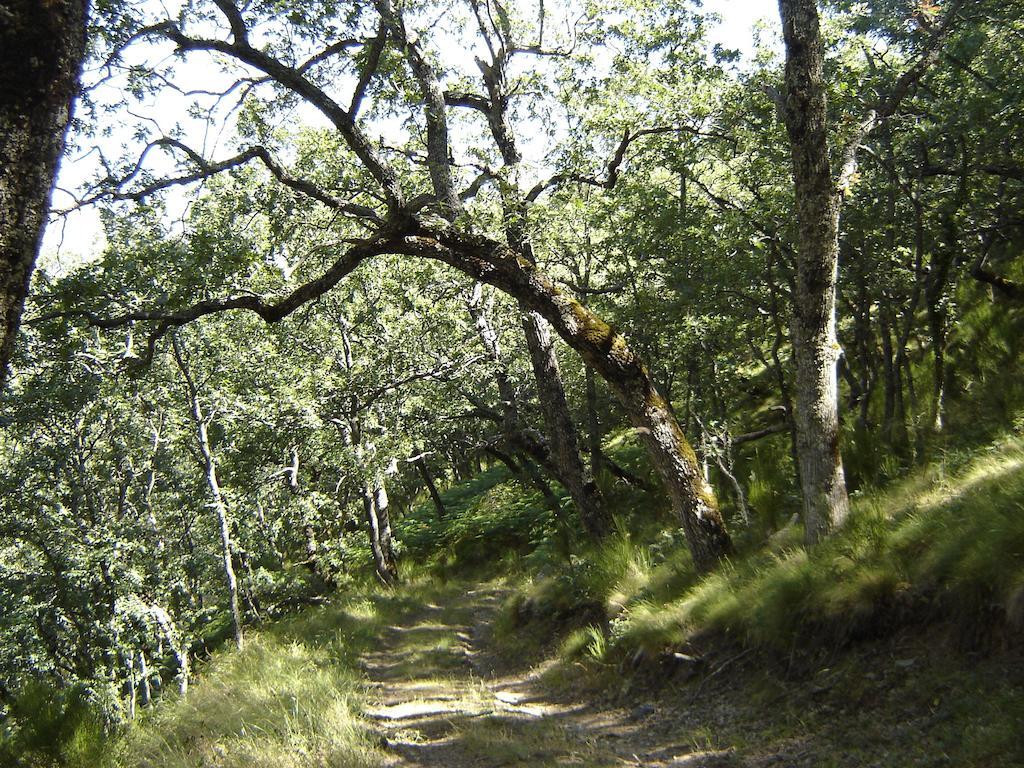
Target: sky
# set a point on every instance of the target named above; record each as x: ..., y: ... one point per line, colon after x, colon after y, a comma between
x: 71, y: 239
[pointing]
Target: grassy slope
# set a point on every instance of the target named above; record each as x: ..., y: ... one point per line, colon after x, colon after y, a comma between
x: 290, y: 699
x: 895, y: 643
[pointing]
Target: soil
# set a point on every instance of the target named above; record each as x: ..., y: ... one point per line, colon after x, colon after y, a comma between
x: 440, y: 694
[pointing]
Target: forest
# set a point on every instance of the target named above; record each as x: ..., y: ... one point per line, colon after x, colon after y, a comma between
x: 489, y: 383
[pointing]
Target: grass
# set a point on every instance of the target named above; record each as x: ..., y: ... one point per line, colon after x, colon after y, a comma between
x: 490, y: 517
x: 943, y: 547
x: 290, y: 699
x: 947, y: 543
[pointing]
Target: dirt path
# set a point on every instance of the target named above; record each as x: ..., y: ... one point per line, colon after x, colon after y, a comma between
x: 436, y: 701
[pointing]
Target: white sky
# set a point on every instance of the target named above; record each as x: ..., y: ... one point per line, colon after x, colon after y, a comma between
x: 78, y: 236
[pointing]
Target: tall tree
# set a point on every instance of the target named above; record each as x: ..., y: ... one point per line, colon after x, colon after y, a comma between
x: 201, y: 422
x: 815, y: 346
x: 428, y: 226
x: 41, y: 48
x: 819, y: 195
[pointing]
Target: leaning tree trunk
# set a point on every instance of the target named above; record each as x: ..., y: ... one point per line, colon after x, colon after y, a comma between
x: 607, y: 352
x: 224, y: 523
x: 563, y: 458
x: 815, y: 346
x: 428, y: 481
x: 42, y: 43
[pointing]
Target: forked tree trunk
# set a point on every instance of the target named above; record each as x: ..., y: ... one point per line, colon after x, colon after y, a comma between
x: 562, y: 429
x: 378, y: 519
x: 42, y: 43
x: 815, y: 346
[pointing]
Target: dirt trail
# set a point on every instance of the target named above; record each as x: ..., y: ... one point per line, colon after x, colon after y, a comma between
x: 437, y: 701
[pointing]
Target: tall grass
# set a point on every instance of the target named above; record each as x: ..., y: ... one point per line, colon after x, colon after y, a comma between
x: 290, y: 699
x: 945, y: 543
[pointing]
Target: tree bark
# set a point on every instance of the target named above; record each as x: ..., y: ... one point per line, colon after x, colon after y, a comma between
x: 563, y: 458
x: 42, y: 43
x: 815, y: 346
x: 593, y: 423
x: 562, y: 429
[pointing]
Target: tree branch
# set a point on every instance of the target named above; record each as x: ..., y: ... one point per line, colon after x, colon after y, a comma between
x: 614, y: 164
x: 234, y: 17
x: 369, y: 68
x: 270, y: 312
x: 294, y: 80
x: 207, y: 170
x: 888, y: 106
x: 438, y: 148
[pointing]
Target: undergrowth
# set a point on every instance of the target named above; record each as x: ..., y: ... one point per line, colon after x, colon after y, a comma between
x: 290, y: 699
x: 944, y: 544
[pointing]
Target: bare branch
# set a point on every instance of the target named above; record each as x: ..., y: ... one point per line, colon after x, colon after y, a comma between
x: 441, y: 371
x: 326, y: 53
x: 369, y: 68
x: 207, y: 170
x: 611, y: 169
x: 294, y: 80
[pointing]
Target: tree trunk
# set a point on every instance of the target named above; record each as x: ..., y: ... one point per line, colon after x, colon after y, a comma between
x: 936, y: 283
x: 428, y: 481
x: 42, y: 44
x: 375, y: 505
x: 178, y: 649
x: 216, y: 495
x: 561, y: 428
x: 593, y: 423
x: 146, y: 695
x: 132, y: 687
x: 815, y: 346
x: 221, y: 508
x: 890, y: 375
x: 607, y: 352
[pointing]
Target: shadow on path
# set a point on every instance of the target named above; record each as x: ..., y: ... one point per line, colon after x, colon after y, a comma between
x: 435, y: 701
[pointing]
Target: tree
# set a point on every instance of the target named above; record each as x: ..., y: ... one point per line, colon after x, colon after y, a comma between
x: 431, y: 225
x: 815, y: 346
x: 201, y: 423
x: 42, y: 45
x: 819, y: 200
